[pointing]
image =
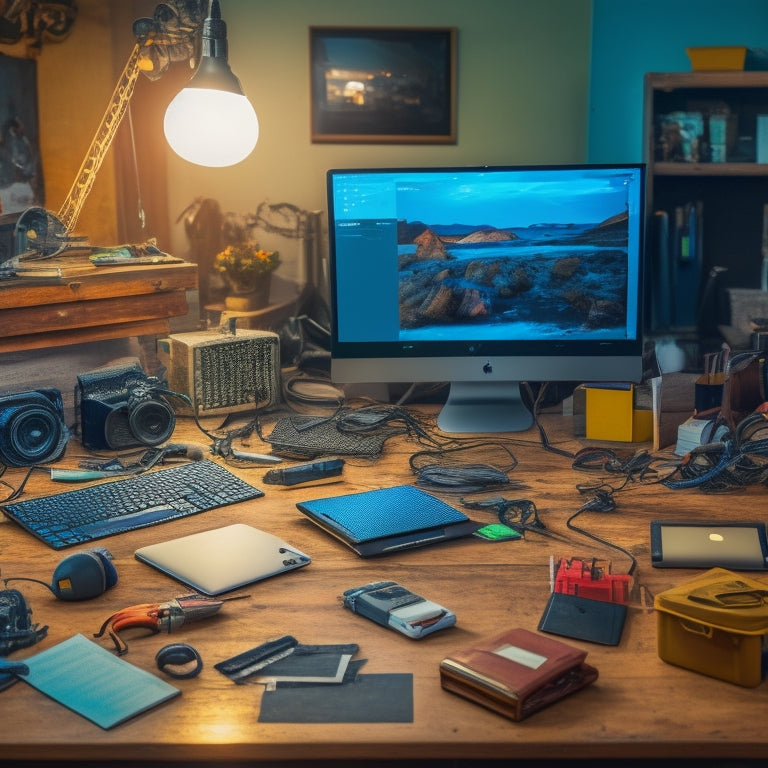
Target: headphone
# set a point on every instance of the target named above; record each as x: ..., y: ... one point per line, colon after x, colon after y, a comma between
x: 80, y: 576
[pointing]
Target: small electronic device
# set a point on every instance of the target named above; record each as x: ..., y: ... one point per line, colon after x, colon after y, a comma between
x: 485, y: 277
x: 739, y: 546
x: 392, y: 605
x: 225, y: 373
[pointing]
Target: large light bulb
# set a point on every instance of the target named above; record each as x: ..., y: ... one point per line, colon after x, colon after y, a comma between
x: 213, y: 128
x: 211, y: 122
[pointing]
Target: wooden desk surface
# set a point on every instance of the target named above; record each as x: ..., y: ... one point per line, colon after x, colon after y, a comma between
x: 640, y: 707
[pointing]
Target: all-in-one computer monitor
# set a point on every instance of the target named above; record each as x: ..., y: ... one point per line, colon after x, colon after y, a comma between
x: 485, y: 277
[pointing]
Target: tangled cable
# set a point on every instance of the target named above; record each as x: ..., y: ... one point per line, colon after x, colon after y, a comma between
x: 736, y: 462
x: 447, y: 470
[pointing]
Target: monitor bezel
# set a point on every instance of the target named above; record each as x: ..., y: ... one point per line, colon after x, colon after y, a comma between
x: 404, y: 360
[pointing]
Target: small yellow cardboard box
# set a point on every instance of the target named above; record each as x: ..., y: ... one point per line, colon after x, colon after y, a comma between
x: 611, y: 415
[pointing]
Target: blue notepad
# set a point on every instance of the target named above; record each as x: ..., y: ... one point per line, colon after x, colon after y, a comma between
x: 388, y: 519
x: 94, y: 682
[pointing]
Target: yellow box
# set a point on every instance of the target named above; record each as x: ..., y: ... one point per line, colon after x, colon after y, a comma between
x: 715, y: 624
x: 611, y: 415
x: 717, y: 58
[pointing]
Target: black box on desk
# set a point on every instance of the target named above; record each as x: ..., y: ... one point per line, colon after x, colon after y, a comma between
x: 226, y: 373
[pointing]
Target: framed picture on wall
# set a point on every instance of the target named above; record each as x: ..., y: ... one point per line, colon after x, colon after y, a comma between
x: 21, y: 174
x: 383, y: 85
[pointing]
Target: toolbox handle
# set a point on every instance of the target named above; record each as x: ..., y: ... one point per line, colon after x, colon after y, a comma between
x: 696, y: 629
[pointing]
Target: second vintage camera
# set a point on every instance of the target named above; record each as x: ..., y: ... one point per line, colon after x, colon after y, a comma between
x: 32, y: 428
x: 119, y: 407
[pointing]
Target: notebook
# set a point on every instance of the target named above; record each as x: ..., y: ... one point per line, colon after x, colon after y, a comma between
x: 738, y: 545
x: 388, y: 519
x: 220, y: 560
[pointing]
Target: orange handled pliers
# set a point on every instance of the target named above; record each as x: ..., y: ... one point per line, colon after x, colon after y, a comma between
x: 159, y: 617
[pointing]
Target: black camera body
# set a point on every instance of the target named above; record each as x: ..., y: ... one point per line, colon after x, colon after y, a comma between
x: 119, y: 406
x: 32, y: 428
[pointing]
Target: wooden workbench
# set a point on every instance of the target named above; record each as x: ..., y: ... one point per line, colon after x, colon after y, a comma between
x: 87, y: 303
x: 640, y: 707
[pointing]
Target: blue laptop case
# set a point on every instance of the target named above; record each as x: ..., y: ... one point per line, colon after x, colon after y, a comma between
x: 388, y: 519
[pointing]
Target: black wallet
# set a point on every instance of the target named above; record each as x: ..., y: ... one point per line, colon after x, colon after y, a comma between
x: 582, y: 618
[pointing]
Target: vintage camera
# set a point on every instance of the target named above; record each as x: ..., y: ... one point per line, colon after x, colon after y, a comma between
x: 32, y: 428
x: 119, y: 406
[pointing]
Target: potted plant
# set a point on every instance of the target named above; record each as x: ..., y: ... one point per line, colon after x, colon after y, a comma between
x: 248, y: 269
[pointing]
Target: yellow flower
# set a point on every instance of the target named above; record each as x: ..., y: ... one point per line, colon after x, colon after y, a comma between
x: 246, y: 261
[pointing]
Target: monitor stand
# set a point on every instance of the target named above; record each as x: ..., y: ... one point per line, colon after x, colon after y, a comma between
x: 484, y: 406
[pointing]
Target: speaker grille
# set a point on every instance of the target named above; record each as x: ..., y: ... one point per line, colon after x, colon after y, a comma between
x: 235, y: 373
x: 223, y: 374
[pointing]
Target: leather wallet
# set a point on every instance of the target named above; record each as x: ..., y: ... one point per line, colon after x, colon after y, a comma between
x: 516, y: 673
x: 392, y: 605
x: 583, y: 618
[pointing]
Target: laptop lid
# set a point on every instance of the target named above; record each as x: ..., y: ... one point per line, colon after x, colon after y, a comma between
x: 387, y: 519
x: 735, y: 545
x: 222, y: 559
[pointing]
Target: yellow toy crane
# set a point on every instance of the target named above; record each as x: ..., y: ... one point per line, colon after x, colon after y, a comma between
x: 170, y: 35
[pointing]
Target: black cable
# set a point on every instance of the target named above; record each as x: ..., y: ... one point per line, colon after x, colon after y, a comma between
x: 602, y: 501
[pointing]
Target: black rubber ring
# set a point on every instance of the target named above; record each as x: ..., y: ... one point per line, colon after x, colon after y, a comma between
x: 177, y: 655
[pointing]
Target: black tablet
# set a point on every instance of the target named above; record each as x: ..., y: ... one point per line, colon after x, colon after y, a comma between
x: 739, y: 546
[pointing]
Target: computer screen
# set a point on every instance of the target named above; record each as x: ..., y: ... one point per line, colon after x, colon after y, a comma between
x: 485, y: 277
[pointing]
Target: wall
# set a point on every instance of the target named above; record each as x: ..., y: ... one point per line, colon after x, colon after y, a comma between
x: 522, y: 74
x: 632, y: 38
x: 75, y: 81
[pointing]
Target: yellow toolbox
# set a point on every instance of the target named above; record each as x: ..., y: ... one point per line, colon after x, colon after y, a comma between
x: 716, y: 624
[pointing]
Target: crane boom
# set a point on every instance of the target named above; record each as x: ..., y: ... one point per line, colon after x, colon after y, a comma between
x: 116, y: 109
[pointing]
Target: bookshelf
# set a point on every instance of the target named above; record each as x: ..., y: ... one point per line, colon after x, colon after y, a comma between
x: 706, y: 150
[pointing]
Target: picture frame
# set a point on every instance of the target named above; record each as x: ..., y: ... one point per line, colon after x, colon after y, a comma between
x: 383, y: 85
x: 21, y: 172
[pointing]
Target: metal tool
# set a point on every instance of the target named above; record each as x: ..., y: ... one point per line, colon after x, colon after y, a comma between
x: 160, y: 617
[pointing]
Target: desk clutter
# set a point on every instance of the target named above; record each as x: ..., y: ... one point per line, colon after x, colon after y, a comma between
x: 145, y: 481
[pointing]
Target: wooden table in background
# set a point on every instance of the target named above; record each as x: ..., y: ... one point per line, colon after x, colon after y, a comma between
x: 640, y: 707
x: 90, y: 303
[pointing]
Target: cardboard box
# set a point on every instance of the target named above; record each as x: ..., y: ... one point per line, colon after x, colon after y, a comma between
x: 611, y: 414
x: 715, y: 624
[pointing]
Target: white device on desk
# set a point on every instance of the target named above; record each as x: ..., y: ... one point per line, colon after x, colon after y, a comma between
x: 222, y: 559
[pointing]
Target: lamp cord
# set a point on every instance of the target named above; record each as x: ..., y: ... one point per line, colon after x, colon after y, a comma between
x: 139, y: 204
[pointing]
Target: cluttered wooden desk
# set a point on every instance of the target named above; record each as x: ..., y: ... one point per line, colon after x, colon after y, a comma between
x: 639, y: 707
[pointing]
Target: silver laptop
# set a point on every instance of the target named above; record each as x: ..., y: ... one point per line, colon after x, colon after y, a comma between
x: 740, y: 546
x: 220, y: 560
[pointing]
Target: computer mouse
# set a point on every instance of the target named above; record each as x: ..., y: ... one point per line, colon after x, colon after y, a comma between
x: 80, y: 576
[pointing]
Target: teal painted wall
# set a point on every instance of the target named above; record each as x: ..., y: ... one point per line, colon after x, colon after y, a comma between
x: 632, y: 37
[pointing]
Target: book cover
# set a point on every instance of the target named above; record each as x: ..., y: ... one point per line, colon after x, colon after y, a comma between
x: 516, y: 672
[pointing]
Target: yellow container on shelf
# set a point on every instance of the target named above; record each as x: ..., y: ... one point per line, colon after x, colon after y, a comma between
x: 717, y: 58
x: 716, y: 624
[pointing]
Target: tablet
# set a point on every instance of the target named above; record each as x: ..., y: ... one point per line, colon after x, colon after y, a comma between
x: 220, y: 560
x: 739, y: 546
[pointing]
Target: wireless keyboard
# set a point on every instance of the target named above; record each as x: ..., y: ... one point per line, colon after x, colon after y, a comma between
x: 81, y: 515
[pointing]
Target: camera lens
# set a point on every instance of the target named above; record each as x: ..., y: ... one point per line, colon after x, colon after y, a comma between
x: 31, y: 434
x: 152, y: 421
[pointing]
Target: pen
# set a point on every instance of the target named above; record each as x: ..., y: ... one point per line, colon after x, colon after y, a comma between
x: 266, y: 458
